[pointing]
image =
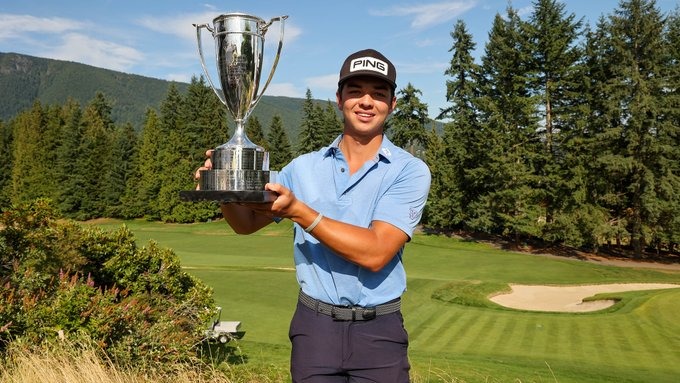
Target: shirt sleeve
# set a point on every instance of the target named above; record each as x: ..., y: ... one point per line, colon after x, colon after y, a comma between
x: 403, y: 202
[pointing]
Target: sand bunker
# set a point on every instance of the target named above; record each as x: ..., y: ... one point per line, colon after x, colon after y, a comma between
x: 567, y: 298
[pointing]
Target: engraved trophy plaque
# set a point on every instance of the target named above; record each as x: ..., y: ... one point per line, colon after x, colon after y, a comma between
x: 240, y: 168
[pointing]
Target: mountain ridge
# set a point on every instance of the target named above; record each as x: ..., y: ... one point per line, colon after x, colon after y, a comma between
x: 26, y: 79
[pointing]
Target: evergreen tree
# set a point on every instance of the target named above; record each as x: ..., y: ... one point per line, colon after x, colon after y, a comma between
x: 555, y: 76
x: 332, y: 126
x: 123, y: 151
x: 6, y: 162
x: 311, y: 136
x: 440, y: 210
x: 463, y: 142
x: 553, y: 63
x: 205, y: 118
x: 632, y: 156
x: 280, y: 153
x: 667, y: 230
x: 202, y: 122
x: 51, y: 141
x: 174, y: 172
x: 142, y: 188
x: 29, y: 168
x: 255, y: 133
x: 95, y: 160
x: 407, y: 124
x: 101, y: 107
x: 509, y: 202
x: 70, y: 175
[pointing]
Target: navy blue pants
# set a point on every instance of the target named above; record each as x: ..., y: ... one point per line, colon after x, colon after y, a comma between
x: 326, y: 350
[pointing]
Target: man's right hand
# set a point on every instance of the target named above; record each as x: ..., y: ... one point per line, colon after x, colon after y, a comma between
x: 207, y: 165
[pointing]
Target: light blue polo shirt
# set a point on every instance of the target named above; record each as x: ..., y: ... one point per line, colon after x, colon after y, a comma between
x: 392, y: 187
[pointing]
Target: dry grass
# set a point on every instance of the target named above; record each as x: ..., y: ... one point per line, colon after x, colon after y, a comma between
x: 86, y: 366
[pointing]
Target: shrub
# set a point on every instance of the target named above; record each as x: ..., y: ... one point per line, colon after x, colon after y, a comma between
x: 62, y: 280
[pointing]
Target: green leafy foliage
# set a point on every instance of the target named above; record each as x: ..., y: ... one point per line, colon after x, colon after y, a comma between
x: 62, y: 280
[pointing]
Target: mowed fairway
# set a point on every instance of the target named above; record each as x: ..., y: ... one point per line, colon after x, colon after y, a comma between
x: 458, y: 337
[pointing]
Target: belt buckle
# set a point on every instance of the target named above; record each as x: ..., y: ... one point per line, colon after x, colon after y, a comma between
x: 369, y: 313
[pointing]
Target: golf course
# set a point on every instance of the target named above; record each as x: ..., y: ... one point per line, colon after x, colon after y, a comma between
x: 457, y: 333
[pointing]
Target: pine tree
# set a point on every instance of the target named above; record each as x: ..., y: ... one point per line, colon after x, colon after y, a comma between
x: 667, y: 229
x: 280, y: 153
x: 123, y: 152
x: 311, y: 136
x: 332, y: 126
x: 176, y: 146
x: 555, y: 76
x: 142, y: 188
x: 6, y: 162
x: 552, y: 69
x: 509, y: 202
x: 407, y: 124
x: 95, y: 159
x: 463, y: 141
x: 29, y: 169
x: 632, y: 157
x: 205, y: 119
x: 202, y: 117
x: 255, y: 133
x: 70, y: 175
x: 441, y: 209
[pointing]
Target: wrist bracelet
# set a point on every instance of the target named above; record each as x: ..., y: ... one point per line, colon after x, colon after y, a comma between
x: 313, y: 225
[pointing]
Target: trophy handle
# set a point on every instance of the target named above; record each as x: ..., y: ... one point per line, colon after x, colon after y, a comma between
x: 205, y: 68
x: 263, y: 31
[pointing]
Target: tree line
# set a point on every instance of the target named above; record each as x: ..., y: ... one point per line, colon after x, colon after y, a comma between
x: 559, y: 132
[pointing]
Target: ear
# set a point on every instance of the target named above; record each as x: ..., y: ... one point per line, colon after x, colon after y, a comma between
x: 338, y: 100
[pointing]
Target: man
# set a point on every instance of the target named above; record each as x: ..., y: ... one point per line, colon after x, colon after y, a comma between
x: 355, y: 204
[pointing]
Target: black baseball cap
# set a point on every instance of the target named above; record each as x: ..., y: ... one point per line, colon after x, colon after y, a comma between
x: 368, y: 62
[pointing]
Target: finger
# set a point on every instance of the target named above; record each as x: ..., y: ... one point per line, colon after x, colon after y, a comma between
x: 197, y: 174
x: 276, y: 188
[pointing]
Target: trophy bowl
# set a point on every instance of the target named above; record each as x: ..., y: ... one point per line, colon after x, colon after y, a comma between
x: 240, y: 168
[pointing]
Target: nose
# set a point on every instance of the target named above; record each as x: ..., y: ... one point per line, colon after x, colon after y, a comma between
x: 366, y: 101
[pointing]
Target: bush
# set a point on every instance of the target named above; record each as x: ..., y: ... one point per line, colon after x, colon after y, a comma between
x: 62, y: 280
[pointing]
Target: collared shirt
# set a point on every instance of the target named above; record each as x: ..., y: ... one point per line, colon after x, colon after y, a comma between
x: 392, y: 187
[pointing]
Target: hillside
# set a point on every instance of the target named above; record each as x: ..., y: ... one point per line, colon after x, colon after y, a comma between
x: 25, y: 79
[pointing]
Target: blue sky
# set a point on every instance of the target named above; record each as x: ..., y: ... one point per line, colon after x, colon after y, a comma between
x: 157, y: 39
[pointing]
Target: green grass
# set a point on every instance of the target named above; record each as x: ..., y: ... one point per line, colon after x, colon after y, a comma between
x: 456, y: 334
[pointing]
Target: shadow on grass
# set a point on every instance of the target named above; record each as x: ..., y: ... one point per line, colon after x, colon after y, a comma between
x: 216, y: 353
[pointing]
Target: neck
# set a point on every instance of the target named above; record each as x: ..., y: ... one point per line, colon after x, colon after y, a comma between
x: 357, y: 151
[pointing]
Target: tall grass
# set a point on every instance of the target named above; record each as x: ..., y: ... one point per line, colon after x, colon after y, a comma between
x: 67, y: 363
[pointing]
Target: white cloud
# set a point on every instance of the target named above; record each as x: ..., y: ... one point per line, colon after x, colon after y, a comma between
x: 16, y: 26
x: 326, y: 83
x: 283, y: 89
x: 104, y: 54
x: 428, y: 15
x: 66, y: 39
x: 179, y: 77
x: 182, y: 26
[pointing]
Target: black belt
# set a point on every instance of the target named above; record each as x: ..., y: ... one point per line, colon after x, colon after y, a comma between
x: 349, y: 313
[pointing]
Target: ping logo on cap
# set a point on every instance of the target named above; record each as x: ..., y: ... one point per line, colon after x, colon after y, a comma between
x: 368, y: 63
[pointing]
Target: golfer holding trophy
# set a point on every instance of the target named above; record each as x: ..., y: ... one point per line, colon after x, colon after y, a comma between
x: 240, y: 168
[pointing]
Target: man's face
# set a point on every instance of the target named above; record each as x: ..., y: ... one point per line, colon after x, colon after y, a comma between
x: 365, y: 102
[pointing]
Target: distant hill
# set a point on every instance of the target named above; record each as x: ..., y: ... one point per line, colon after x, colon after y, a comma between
x: 25, y: 79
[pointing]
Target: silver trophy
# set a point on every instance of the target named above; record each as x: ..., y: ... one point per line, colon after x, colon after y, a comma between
x: 240, y: 168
